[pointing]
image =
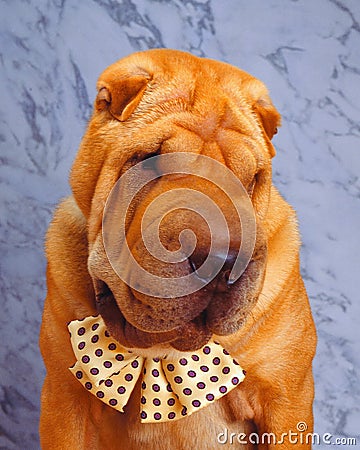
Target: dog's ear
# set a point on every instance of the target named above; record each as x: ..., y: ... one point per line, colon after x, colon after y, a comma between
x: 261, y: 104
x: 120, y: 95
x: 268, y: 115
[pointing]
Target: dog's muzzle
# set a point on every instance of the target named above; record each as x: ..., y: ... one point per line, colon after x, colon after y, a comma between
x: 190, y: 263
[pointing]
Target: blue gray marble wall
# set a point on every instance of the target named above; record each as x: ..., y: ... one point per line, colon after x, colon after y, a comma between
x: 307, y: 52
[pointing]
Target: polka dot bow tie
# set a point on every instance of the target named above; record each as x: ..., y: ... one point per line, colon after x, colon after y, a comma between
x: 170, y: 388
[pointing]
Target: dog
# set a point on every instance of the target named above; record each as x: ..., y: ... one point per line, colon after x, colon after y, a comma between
x: 161, y: 102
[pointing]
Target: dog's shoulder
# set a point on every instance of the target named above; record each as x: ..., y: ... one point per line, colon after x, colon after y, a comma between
x: 67, y: 251
x: 281, y: 219
x: 67, y: 232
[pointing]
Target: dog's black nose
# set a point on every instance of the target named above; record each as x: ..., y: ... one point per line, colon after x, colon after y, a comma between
x: 217, y: 266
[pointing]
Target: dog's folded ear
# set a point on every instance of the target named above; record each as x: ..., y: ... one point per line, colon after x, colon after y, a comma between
x: 263, y: 107
x: 268, y: 115
x: 269, y: 118
x: 120, y: 95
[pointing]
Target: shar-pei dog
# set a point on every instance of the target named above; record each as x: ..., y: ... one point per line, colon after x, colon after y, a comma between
x: 176, y: 316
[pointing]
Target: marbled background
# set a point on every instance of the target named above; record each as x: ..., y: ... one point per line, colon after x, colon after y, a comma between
x: 307, y: 52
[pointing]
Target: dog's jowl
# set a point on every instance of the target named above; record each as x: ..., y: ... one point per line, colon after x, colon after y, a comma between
x: 175, y: 308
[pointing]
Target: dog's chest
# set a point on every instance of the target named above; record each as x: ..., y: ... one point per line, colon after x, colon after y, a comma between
x: 209, y: 428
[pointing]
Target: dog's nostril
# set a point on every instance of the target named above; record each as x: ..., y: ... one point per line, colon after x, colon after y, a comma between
x: 192, y: 264
x: 227, y: 276
x: 230, y: 260
x: 218, y: 265
x: 205, y: 268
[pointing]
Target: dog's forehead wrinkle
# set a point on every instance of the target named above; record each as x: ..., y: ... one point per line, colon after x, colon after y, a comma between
x: 175, y: 83
x: 204, y: 114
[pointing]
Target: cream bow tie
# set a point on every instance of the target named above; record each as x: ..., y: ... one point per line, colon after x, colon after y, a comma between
x: 170, y: 389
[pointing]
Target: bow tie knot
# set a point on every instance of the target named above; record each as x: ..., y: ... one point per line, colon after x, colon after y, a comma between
x: 170, y: 388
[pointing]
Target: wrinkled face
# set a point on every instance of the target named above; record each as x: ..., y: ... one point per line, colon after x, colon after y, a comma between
x: 163, y: 102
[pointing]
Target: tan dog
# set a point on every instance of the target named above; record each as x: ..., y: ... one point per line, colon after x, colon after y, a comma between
x: 164, y: 101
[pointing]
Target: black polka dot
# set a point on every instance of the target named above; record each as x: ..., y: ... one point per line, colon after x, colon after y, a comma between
x: 201, y: 385
x: 235, y: 362
x: 81, y: 345
x: 119, y: 357
x: 244, y: 372
x: 113, y: 402
x: 223, y: 389
x: 95, y: 326
x: 155, y: 387
x: 157, y: 402
x: 98, y: 352
x: 195, y: 357
x: 157, y: 416
x: 210, y: 397
x: 85, y: 359
x: 121, y: 390
x: 169, y: 388
x: 128, y: 377
x: 155, y: 373
x: 225, y: 352
x: 204, y: 368
x: 88, y: 385
x: 216, y: 361
x: 226, y: 370
x: 171, y: 415
x: 143, y: 415
x: 192, y: 374
x: 183, y: 361
x: 100, y: 394
x: 171, y: 402
x: 184, y: 411
x: 108, y: 383
x: 170, y: 367
x: 143, y: 385
x: 94, y: 339
x: 112, y: 346
x: 135, y: 364
x: 196, y: 403
x: 107, y: 334
x: 94, y: 371
x: 79, y: 374
x: 143, y: 400
x: 107, y: 364
x: 235, y: 380
x: 81, y: 331
x: 178, y: 380
x: 214, y: 378
x: 206, y: 350
x: 187, y: 391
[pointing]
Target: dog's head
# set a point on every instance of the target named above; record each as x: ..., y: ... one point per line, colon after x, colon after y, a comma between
x: 164, y: 102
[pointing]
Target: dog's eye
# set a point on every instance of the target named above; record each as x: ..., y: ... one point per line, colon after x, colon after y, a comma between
x: 149, y: 162
x: 252, y: 185
x: 250, y: 189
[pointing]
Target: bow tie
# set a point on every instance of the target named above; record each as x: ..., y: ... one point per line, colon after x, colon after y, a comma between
x: 170, y: 388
